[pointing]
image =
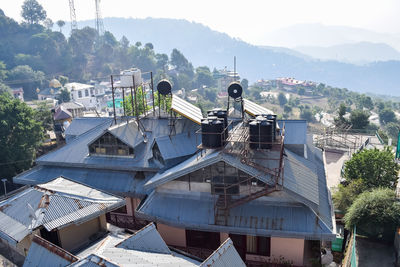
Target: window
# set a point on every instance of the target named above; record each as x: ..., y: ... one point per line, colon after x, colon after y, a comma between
x: 79, y: 94
x: 91, y: 91
x: 201, y: 239
x: 259, y: 245
x: 157, y: 154
x: 86, y: 92
x: 108, y: 144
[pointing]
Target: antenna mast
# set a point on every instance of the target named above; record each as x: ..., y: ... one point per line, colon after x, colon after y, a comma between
x: 74, y: 25
x: 99, y: 20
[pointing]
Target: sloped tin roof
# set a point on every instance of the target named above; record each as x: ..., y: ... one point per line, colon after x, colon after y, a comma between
x: 56, y: 204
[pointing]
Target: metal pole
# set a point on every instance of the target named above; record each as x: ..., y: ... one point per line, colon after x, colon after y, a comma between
x: 132, y: 101
x: 123, y: 100
x: 112, y: 89
x: 152, y: 93
x: 134, y: 91
x: 144, y: 100
x: 5, y: 188
x: 159, y: 105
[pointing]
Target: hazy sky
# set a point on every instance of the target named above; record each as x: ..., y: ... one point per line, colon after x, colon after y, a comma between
x: 243, y: 19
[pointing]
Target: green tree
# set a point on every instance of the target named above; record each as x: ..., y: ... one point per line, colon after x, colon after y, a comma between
x: 287, y: 109
x: 63, y: 79
x: 63, y: 96
x: 204, y: 77
x: 359, y: 119
x: 60, y: 24
x: 342, y: 111
x: 376, y: 214
x: 48, y: 23
x: 386, y: 115
x: 27, y: 78
x: 44, y: 115
x: 306, y: 113
x: 140, y: 103
x: 181, y: 63
x: 344, y: 195
x: 282, y: 99
x: 376, y: 168
x: 32, y: 12
x: 20, y: 136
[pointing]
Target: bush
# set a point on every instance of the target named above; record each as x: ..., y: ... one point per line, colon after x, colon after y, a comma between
x: 344, y: 196
x: 376, y: 214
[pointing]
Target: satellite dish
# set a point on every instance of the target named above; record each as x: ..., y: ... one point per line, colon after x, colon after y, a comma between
x: 235, y: 90
x: 164, y: 87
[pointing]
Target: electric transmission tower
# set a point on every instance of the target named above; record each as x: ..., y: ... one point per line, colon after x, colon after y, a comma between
x: 74, y: 25
x: 99, y: 19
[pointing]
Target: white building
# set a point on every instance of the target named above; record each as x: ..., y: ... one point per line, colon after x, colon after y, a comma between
x: 86, y: 94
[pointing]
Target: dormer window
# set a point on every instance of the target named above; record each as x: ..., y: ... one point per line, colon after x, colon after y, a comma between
x: 157, y: 154
x: 110, y: 145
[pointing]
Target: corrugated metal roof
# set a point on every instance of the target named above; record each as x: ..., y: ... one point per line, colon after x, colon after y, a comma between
x: 254, y: 109
x: 225, y: 256
x: 53, y: 206
x: 267, y: 216
x: 11, y: 230
x: 176, y: 146
x: 43, y: 253
x: 127, y: 132
x: 146, y: 239
x: 121, y: 183
x: 186, y: 109
x: 300, y: 175
x: 76, y: 153
x: 93, y: 261
x: 295, y: 131
x: 80, y: 126
x: 125, y: 257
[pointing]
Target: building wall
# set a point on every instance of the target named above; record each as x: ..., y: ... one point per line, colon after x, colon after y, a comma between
x: 131, y: 205
x: 290, y: 248
x: 223, y: 237
x: 171, y: 235
x: 74, y: 236
x: 24, y: 245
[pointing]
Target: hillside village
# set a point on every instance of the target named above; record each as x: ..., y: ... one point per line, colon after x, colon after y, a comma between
x: 122, y: 156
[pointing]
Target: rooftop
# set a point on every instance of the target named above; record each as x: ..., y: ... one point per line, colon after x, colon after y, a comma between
x: 54, y: 205
x: 144, y: 248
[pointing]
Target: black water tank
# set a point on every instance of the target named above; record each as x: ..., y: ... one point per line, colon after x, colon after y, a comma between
x: 272, y: 117
x: 261, y: 135
x: 221, y: 114
x: 212, y: 132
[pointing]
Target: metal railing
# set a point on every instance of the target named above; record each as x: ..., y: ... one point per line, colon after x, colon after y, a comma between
x: 125, y: 221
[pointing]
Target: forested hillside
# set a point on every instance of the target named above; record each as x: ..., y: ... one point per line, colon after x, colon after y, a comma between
x: 203, y: 46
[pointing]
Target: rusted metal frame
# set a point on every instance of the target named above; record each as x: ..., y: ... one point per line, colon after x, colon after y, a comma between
x: 113, y: 98
x: 152, y: 93
x: 144, y: 101
x: 123, y: 100
x: 132, y: 102
x: 134, y: 91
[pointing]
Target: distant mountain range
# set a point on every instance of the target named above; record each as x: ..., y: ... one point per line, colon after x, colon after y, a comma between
x: 203, y: 46
x: 315, y: 34
x: 356, y: 53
